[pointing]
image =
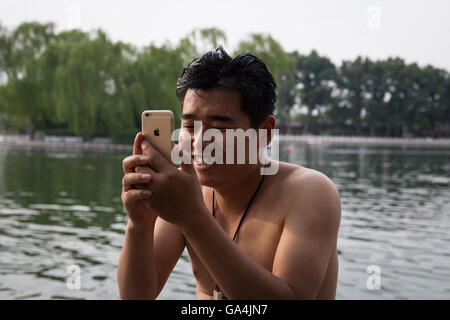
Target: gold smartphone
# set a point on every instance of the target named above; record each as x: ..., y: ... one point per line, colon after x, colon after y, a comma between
x: 157, y: 127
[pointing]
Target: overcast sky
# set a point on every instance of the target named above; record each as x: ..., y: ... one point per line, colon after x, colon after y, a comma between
x: 416, y: 30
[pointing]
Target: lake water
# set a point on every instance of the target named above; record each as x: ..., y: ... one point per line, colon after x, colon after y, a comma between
x: 60, y: 208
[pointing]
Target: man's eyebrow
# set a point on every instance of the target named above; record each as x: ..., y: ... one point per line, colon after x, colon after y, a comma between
x: 211, y: 117
x: 220, y: 117
x: 187, y: 116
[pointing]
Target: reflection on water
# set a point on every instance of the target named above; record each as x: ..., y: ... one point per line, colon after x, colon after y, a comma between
x: 59, y: 209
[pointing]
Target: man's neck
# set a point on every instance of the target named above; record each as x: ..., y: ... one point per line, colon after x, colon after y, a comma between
x: 233, y: 198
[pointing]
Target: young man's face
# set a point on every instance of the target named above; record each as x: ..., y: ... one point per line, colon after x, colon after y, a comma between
x: 214, y: 109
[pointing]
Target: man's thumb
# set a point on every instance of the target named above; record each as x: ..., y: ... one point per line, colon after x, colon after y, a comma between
x: 186, y: 159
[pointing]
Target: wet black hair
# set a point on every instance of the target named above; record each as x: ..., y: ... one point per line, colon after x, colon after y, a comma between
x: 245, y: 73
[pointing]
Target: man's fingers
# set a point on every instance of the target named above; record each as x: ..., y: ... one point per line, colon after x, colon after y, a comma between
x: 135, y: 195
x: 130, y: 162
x: 186, y: 163
x: 137, y: 143
x: 156, y: 160
x: 144, y: 169
x: 131, y: 179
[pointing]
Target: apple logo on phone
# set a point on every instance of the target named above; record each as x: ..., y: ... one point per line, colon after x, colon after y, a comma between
x: 156, y: 132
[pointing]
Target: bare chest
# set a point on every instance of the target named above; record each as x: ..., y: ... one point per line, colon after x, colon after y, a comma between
x: 258, y: 236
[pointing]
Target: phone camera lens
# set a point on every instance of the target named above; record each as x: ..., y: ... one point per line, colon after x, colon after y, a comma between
x: 146, y: 114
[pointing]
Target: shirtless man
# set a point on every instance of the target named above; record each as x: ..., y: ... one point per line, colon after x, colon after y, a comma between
x: 285, y: 247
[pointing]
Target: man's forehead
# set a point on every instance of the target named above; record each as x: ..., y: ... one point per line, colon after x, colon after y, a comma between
x: 223, y: 101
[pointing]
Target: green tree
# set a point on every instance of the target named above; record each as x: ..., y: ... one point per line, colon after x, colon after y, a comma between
x: 28, y: 41
x: 430, y: 105
x: 280, y: 64
x: 376, y: 89
x: 199, y: 41
x: 352, y: 79
x: 6, y: 53
x: 316, y: 78
x: 89, y: 85
x: 24, y: 95
x: 155, y: 73
x: 5, y: 64
x: 397, y: 86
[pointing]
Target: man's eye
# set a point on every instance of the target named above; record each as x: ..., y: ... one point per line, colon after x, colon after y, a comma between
x: 189, y: 127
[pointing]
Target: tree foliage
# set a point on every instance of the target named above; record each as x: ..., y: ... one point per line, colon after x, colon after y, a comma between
x: 85, y: 84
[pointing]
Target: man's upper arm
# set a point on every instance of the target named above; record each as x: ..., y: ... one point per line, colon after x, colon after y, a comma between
x: 309, y: 235
x: 169, y: 244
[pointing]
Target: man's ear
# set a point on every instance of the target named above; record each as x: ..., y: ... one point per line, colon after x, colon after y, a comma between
x: 268, y: 124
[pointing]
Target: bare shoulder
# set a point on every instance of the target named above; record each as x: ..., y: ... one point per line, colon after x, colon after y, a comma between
x: 310, y: 192
x: 295, y: 178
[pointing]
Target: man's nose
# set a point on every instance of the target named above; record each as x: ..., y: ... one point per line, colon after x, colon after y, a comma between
x: 198, y: 141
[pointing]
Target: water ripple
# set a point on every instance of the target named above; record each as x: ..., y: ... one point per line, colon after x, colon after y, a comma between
x: 395, y: 214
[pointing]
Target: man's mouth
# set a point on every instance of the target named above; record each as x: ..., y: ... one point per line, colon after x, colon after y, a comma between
x: 203, y: 166
x: 200, y: 164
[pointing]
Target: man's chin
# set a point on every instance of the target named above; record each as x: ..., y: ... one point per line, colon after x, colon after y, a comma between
x: 208, y: 175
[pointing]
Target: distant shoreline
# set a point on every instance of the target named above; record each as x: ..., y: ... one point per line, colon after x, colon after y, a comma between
x: 63, y: 143
x: 102, y: 144
x: 351, y: 140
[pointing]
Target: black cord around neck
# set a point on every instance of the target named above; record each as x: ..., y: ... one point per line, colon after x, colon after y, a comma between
x: 246, y: 209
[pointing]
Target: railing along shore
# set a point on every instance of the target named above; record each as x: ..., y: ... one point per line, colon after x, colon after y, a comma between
x: 75, y: 143
x: 442, y: 142
x: 71, y: 143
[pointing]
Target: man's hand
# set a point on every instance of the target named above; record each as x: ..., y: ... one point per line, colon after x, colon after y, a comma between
x: 176, y: 194
x: 135, y: 188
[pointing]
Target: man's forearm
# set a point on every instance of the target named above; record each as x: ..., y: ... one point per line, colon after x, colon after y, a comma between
x: 238, y: 275
x: 136, y: 273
